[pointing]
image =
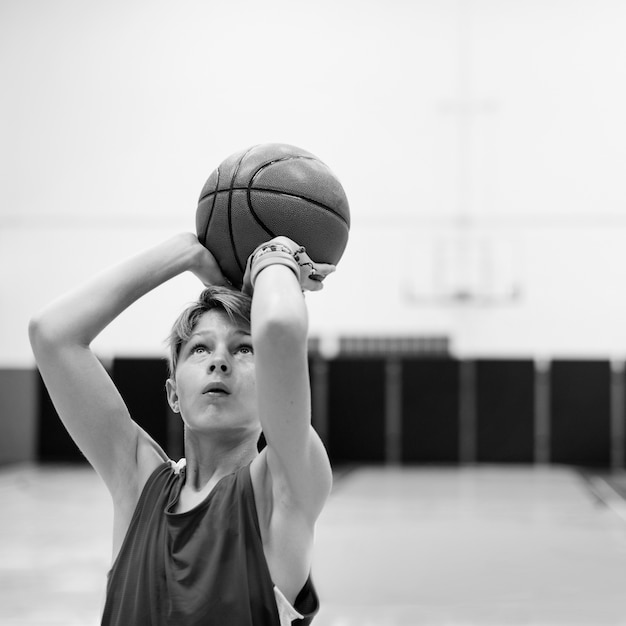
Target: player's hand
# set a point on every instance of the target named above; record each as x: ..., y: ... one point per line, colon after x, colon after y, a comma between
x: 204, y: 265
x: 311, y: 274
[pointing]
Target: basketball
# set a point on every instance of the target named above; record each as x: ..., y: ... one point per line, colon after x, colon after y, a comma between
x: 266, y: 191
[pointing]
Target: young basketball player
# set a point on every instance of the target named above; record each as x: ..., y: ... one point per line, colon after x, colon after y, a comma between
x: 225, y: 536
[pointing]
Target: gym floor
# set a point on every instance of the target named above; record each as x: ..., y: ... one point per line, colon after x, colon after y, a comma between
x: 484, y: 545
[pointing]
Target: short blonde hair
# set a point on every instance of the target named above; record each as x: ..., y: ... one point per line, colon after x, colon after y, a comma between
x: 234, y: 303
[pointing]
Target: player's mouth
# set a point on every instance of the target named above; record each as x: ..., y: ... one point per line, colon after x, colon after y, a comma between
x: 216, y: 390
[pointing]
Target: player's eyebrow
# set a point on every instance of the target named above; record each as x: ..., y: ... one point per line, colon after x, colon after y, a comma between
x: 202, y: 333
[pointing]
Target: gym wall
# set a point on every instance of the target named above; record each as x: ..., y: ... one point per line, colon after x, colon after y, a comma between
x: 377, y: 407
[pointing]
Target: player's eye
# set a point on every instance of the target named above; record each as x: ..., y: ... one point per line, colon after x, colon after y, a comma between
x: 245, y: 348
x: 198, y: 348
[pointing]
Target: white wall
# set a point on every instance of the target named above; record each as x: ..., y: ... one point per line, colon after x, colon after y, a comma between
x: 481, y: 144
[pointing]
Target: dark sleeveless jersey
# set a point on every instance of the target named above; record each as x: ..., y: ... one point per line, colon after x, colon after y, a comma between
x: 204, y: 567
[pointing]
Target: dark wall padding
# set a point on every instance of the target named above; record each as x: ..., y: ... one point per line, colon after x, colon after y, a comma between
x: 430, y: 410
x: 54, y: 444
x: 141, y: 382
x: 580, y: 407
x: 350, y: 404
x: 505, y: 411
x: 356, y: 410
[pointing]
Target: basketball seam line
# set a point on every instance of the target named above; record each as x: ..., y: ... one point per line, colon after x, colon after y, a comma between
x: 288, y: 157
x: 249, y: 200
x: 230, y: 216
x: 321, y: 205
x: 256, y: 217
x: 217, y: 184
x: 262, y: 167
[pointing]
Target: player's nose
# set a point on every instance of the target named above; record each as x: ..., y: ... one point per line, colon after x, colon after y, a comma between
x: 219, y: 363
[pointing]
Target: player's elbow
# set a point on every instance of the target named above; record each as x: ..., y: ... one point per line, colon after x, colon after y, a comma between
x: 36, y: 331
x: 42, y: 334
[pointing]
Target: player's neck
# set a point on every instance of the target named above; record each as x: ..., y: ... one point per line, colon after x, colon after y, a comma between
x: 209, y: 460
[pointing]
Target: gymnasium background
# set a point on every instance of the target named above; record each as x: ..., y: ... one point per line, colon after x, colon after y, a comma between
x: 479, y: 311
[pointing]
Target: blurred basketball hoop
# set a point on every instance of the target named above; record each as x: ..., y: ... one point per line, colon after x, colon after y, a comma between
x: 464, y: 268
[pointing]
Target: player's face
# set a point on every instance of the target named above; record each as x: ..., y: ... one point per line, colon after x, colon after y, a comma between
x: 214, y: 386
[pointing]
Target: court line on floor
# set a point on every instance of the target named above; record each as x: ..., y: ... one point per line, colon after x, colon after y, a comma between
x: 608, y: 495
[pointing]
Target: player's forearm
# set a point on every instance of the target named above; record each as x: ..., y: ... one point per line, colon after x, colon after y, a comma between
x: 279, y: 336
x: 82, y: 314
x: 279, y: 313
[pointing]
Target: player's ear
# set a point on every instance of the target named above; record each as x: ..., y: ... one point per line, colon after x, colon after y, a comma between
x: 172, y: 395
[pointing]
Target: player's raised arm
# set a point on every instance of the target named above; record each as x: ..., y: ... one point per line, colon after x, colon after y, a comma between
x: 296, y: 456
x: 86, y: 399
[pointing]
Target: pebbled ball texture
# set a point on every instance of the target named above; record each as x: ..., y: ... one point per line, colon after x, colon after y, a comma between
x: 267, y: 191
